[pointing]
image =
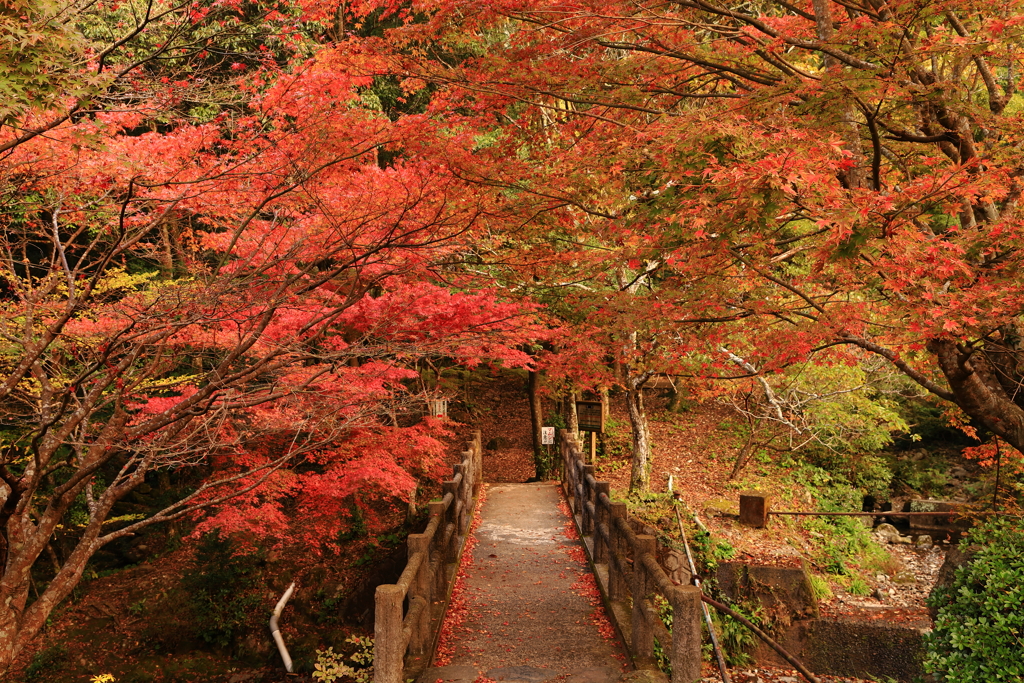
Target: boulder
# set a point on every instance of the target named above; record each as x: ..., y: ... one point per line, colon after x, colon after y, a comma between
x: 497, y: 443
x: 886, y: 533
x: 956, y: 557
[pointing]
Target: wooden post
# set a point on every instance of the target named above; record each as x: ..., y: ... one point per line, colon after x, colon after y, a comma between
x: 570, y: 480
x: 643, y: 633
x: 617, y: 588
x: 478, y: 458
x: 421, y: 587
x: 450, y: 518
x: 754, y: 509
x: 686, y: 639
x: 563, y: 450
x: 593, y: 446
x: 462, y: 523
x: 600, y: 545
x: 388, y: 649
x: 441, y: 579
x: 588, y: 497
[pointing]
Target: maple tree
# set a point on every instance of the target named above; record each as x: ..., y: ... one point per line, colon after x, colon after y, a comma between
x: 213, y: 264
x: 780, y: 178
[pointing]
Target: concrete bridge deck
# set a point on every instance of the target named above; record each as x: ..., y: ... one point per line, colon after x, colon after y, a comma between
x: 527, y: 608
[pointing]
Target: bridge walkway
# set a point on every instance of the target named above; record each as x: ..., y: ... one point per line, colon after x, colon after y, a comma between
x: 526, y: 607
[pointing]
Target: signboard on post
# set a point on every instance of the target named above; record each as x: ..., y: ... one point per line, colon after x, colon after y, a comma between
x: 547, y: 436
x: 437, y: 407
x: 591, y: 416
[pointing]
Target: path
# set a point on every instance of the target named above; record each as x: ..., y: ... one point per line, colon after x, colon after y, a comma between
x: 529, y: 606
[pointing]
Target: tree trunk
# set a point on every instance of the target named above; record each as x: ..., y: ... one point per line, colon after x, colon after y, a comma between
x: 640, y: 475
x: 676, y: 401
x: 572, y: 418
x: 850, y: 128
x: 974, y: 381
x: 742, y: 456
x: 537, y: 420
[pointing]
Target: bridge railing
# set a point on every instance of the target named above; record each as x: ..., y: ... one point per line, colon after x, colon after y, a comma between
x: 629, y: 575
x: 408, y: 613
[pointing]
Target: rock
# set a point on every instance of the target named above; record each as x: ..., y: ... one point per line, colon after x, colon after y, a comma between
x: 956, y: 557
x: 886, y: 533
x: 722, y: 507
x: 498, y: 443
x: 924, y: 541
x: 918, y: 455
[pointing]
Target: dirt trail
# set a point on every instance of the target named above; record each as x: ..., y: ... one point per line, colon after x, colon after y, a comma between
x: 528, y: 608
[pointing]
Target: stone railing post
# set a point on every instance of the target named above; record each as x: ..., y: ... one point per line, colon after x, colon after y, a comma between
x: 643, y: 631
x: 600, y: 544
x: 588, y: 500
x: 440, y: 553
x: 421, y: 587
x: 617, y: 587
x: 451, y: 520
x: 389, y: 648
x: 462, y: 523
x: 686, y: 639
x: 563, y: 446
x: 478, y: 462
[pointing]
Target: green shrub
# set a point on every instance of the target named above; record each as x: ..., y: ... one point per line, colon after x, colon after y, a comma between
x: 46, y: 661
x: 979, y: 629
x: 820, y: 589
x: 735, y: 638
x: 222, y: 599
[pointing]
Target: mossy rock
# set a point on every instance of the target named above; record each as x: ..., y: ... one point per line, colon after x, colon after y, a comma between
x: 722, y: 507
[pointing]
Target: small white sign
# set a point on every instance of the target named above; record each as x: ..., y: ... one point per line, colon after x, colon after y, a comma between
x: 437, y: 407
x: 547, y: 436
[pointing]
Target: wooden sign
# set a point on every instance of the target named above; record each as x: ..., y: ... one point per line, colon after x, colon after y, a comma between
x: 437, y: 407
x: 591, y: 416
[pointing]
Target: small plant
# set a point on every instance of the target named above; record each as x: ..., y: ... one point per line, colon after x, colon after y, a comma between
x: 664, y: 608
x: 616, y: 441
x: 103, y: 678
x: 858, y: 586
x: 736, y: 638
x: 46, y: 660
x: 331, y: 666
x: 819, y: 588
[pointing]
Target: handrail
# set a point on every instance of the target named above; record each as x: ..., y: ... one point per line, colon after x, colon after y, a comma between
x: 408, y: 613
x: 629, y: 574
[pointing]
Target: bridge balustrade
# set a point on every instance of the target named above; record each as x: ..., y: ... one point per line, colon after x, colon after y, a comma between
x: 408, y: 614
x: 629, y: 574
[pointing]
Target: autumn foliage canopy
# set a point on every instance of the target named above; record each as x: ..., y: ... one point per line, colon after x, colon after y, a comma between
x: 233, y: 231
